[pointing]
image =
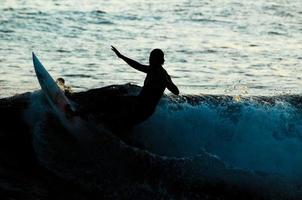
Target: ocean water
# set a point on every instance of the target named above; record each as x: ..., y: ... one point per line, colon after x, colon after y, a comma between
x: 246, y: 55
x: 216, y: 47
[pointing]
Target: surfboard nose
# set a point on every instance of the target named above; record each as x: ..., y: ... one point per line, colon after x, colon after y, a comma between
x: 34, y: 56
x: 37, y: 62
x: 39, y: 68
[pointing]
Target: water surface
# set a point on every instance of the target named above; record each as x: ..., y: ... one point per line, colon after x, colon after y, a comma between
x: 217, y: 47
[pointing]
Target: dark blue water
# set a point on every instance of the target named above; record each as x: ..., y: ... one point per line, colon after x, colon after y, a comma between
x: 252, y: 134
x: 250, y: 141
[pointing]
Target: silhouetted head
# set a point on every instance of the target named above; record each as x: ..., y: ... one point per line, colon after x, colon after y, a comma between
x: 61, y: 81
x: 156, y: 57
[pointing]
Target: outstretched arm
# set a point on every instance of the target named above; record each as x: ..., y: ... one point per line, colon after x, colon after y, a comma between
x: 171, y: 86
x: 132, y: 63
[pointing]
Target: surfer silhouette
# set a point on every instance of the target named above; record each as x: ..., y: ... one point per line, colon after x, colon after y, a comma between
x: 156, y: 81
x: 118, y: 110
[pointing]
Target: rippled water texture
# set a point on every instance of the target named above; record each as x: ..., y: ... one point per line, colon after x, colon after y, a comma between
x: 217, y: 46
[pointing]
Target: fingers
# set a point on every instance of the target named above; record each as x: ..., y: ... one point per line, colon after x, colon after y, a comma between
x: 113, y: 48
x: 116, y: 51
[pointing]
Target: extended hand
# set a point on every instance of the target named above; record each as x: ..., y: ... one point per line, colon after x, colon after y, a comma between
x: 116, y: 51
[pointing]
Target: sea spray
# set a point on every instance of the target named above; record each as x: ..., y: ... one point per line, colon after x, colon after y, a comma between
x: 249, y: 134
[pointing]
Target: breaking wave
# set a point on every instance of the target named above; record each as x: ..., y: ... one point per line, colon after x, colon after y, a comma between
x: 248, y: 143
x: 255, y: 133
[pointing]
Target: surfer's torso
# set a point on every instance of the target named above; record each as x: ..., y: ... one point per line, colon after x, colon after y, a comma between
x: 154, y: 86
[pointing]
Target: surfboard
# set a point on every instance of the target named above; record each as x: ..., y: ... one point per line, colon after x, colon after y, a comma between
x: 54, y: 94
x: 60, y: 104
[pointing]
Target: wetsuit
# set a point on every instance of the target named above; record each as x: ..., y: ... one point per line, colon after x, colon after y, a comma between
x: 153, y: 89
x: 131, y: 110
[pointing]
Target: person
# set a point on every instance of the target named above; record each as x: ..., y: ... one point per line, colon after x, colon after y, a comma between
x: 156, y: 81
x: 119, y: 111
x: 61, y: 83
